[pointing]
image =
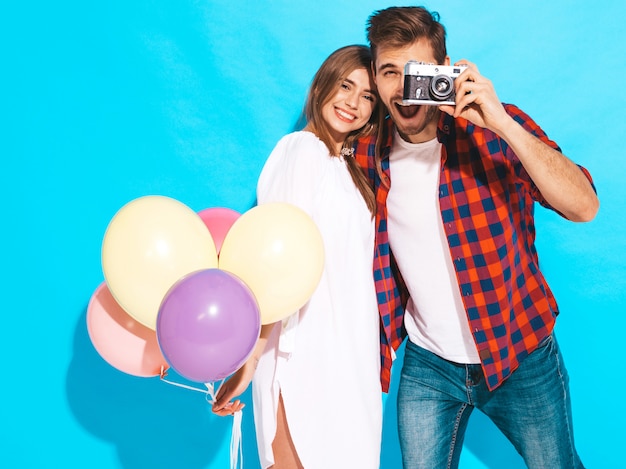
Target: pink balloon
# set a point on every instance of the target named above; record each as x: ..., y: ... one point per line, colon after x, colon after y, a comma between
x: 218, y: 220
x: 123, y: 342
x: 208, y: 324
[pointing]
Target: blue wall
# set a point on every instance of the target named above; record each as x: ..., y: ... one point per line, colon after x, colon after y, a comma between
x: 104, y: 102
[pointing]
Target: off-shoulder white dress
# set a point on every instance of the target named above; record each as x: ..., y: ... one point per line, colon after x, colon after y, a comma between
x: 325, y: 359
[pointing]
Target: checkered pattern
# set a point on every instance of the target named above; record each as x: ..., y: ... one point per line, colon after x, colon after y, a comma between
x: 486, y: 199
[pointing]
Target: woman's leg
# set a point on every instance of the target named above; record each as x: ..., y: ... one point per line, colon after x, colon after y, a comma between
x: 285, y: 455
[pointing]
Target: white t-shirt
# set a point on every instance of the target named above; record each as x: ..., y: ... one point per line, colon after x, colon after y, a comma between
x: 435, y: 317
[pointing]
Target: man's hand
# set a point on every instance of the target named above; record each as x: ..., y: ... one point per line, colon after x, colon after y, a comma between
x: 562, y: 184
x: 477, y: 101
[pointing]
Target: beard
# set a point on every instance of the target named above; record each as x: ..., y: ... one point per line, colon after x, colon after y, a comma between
x: 410, y: 126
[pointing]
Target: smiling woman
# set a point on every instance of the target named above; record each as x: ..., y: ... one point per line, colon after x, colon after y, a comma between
x: 334, y: 337
x: 348, y: 109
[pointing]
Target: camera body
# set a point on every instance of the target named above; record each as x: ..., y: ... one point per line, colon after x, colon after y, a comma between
x: 429, y: 84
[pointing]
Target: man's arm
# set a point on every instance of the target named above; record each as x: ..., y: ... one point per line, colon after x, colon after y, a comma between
x: 561, y: 182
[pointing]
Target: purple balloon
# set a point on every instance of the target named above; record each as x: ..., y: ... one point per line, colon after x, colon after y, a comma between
x: 208, y: 325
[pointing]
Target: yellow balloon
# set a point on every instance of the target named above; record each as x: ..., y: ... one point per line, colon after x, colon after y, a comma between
x: 277, y: 250
x: 150, y: 244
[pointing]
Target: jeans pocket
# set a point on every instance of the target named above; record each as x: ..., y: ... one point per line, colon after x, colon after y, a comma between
x: 545, y: 342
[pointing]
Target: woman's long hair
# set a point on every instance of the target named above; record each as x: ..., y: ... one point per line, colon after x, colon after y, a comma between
x: 326, y: 82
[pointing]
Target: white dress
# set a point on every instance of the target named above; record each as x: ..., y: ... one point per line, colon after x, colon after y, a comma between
x: 325, y: 359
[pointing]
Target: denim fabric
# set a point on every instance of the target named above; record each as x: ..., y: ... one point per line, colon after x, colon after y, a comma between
x: 532, y: 408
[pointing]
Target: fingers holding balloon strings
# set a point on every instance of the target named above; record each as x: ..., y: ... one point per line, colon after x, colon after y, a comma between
x: 224, y: 393
x: 229, y: 409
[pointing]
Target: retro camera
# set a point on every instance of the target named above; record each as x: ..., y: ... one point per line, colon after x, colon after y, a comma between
x: 429, y: 83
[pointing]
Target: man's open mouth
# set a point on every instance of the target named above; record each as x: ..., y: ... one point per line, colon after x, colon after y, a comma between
x: 407, y: 111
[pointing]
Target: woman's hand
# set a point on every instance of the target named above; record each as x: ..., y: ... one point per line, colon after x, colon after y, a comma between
x: 240, y: 380
x: 233, y: 387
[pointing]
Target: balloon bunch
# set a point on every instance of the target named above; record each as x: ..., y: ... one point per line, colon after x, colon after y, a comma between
x: 191, y: 290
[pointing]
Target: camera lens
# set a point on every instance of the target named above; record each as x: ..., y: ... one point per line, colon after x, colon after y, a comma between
x: 441, y: 87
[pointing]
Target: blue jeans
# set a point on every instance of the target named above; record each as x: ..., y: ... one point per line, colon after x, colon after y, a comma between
x: 532, y: 408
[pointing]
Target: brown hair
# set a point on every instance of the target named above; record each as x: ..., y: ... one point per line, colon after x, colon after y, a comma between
x: 401, y: 26
x: 327, y: 80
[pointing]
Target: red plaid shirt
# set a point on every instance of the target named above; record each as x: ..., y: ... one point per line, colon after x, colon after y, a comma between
x: 486, y: 200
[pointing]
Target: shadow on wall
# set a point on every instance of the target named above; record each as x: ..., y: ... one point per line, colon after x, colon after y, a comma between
x: 157, y: 425
x: 483, y: 439
x: 151, y: 423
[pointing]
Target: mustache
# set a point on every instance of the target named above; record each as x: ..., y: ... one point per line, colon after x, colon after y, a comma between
x: 398, y: 100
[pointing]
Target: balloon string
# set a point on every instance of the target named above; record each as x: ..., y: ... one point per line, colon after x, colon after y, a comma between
x: 236, y: 444
x: 211, y: 392
x: 180, y: 385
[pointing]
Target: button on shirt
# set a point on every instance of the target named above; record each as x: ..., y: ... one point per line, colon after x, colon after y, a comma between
x: 486, y: 201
